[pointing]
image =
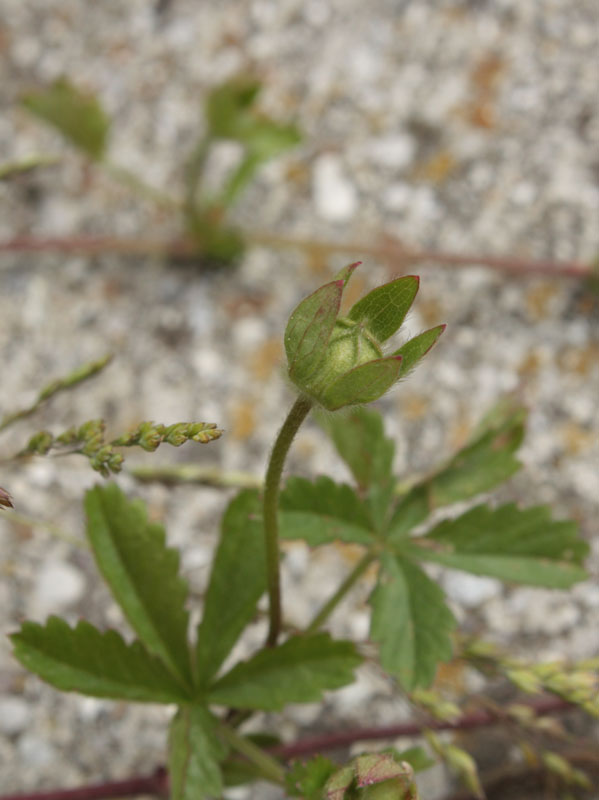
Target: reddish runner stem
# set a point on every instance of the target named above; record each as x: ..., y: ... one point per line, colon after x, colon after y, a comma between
x: 390, y: 251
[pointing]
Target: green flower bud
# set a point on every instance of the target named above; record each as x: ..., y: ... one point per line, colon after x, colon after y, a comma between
x: 349, y: 346
x: 339, y: 361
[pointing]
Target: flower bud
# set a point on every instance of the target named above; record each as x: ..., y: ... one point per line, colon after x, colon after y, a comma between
x: 339, y: 361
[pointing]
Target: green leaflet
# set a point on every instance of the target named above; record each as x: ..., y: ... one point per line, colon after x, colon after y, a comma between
x: 362, y: 384
x: 359, y: 436
x: 411, y: 623
x: 298, y: 671
x: 142, y: 573
x: 384, y: 309
x: 486, y: 461
x: 416, y: 348
x: 321, y: 512
x: 237, y: 581
x: 411, y: 509
x: 83, y: 659
x: 78, y: 116
x: 513, y: 544
x: 238, y: 770
x: 195, y: 753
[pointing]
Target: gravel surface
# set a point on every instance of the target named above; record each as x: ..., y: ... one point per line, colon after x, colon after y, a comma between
x: 464, y: 126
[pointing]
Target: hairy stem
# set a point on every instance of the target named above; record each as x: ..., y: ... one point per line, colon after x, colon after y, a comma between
x: 296, y: 416
x: 268, y: 766
x: 328, y: 608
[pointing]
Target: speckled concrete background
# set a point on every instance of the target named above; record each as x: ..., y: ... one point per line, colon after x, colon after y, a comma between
x: 469, y: 126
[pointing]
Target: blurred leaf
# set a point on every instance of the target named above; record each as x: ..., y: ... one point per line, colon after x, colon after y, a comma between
x: 458, y: 761
x: 417, y: 758
x: 83, y: 659
x: 230, y: 115
x: 9, y: 170
x: 486, y: 461
x: 411, y: 623
x: 415, y: 349
x: 384, y: 309
x: 77, y: 115
x: 321, y: 512
x: 512, y: 544
x: 142, y: 573
x: 237, y: 581
x: 307, y: 779
x: 195, y: 753
x: 298, y: 671
x: 238, y: 770
x: 228, y: 108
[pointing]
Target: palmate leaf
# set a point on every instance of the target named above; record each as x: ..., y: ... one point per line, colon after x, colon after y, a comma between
x: 78, y: 116
x: 384, y: 309
x: 237, y: 581
x: 83, y: 659
x: 142, y: 573
x: 298, y: 671
x: 322, y: 511
x: 485, y: 462
x: 411, y: 622
x: 509, y: 543
x: 195, y: 753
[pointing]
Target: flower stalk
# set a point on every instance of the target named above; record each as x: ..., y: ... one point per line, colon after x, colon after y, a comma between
x: 298, y: 413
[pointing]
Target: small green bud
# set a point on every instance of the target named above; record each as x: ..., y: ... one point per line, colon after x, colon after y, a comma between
x: 177, y: 434
x: 68, y: 437
x: 339, y: 361
x: 40, y: 443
